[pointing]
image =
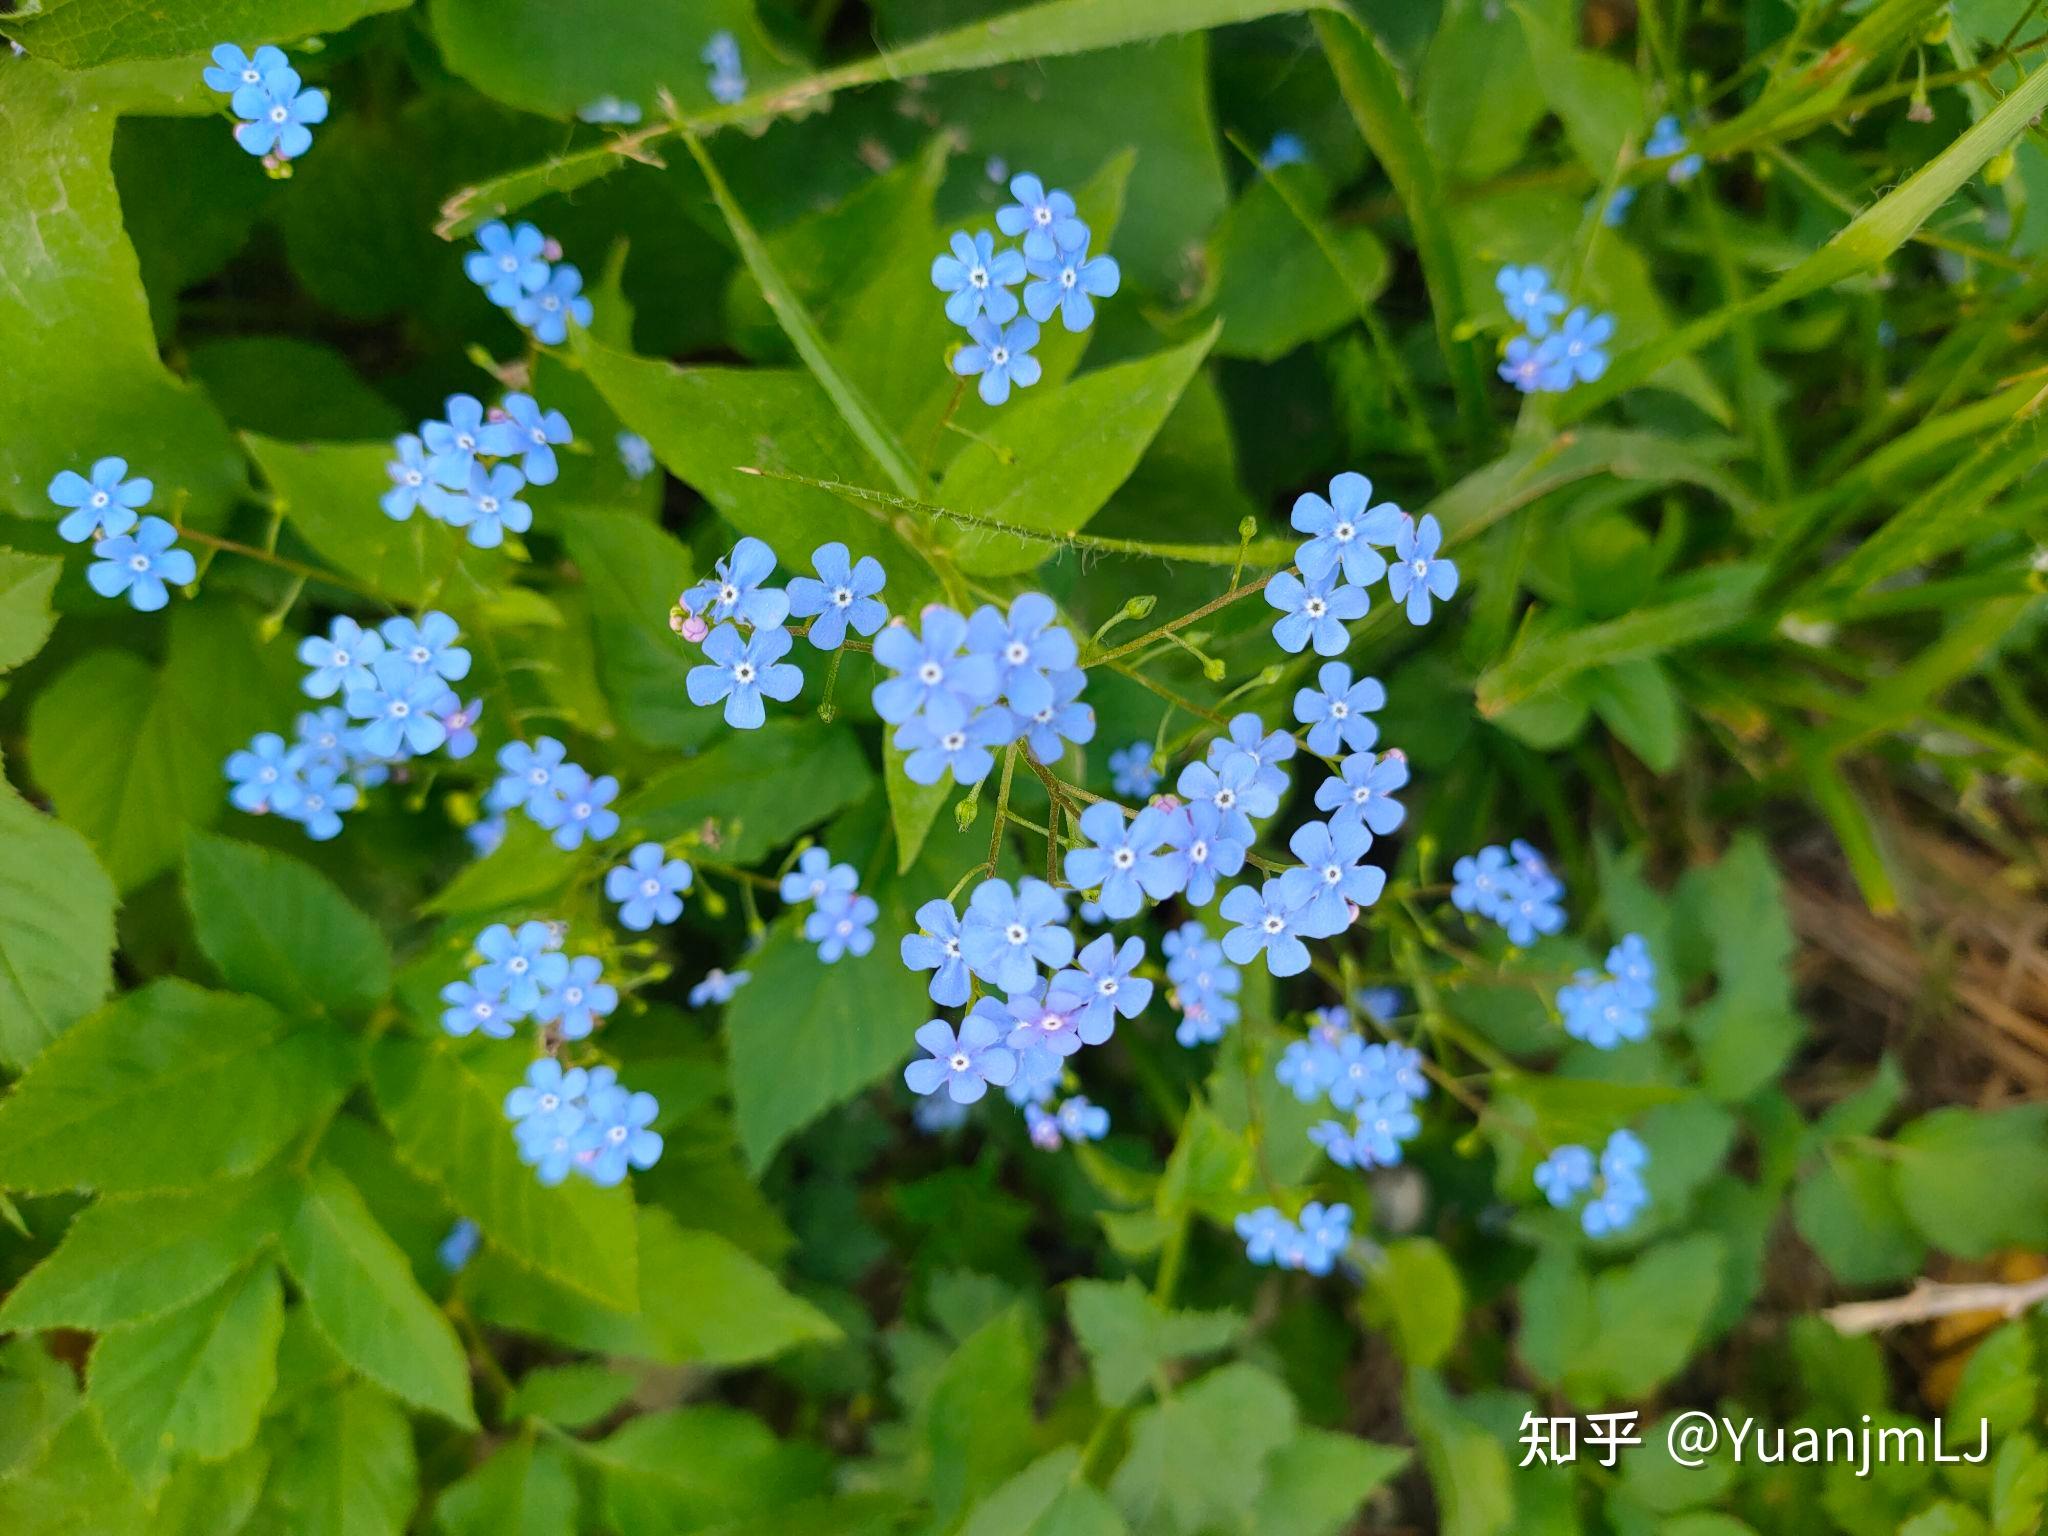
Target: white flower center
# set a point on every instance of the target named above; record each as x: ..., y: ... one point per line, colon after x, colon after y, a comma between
x: 1339, y: 710
x: 930, y: 674
x: 1016, y: 933
x: 1419, y: 567
x: 1333, y: 874
x: 465, y: 442
x: 516, y: 965
x: 998, y: 355
x: 548, y: 1102
x: 138, y: 563
x: 279, y: 115
x: 1342, y: 533
x: 743, y: 672
x: 953, y: 741
x: 536, y: 777
x: 1123, y: 858
x: 1315, y: 607
x: 616, y: 1135
x: 1041, y: 215
x: 978, y: 277
x: 728, y: 594
x: 581, y: 810
x: 1067, y: 278
x: 650, y: 888
x: 487, y: 506
x: 572, y: 996
x: 508, y: 262
x: 1107, y: 986
x: 1016, y: 653
x: 1272, y: 922
x: 1361, y: 794
x: 251, y: 77
x: 551, y: 303
x: 1226, y: 799
x: 1198, y: 852
x: 413, y: 477
x: 100, y: 498
x: 959, y: 1063
x: 842, y: 597
x: 951, y: 947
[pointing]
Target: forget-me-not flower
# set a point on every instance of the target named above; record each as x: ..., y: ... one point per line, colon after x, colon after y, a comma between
x: 581, y: 808
x: 929, y: 666
x: 737, y: 590
x: 743, y: 672
x: 1582, y: 346
x: 935, y: 947
x: 817, y: 878
x: 1333, y: 877
x: 1202, y: 843
x: 548, y: 310
x: 471, y: 1010
x: 964, y: 1064
x: 1106, y: 985
x: 1062, y: 719
x: 509, y: 263
x: 408, y: 476
x: 258, y: 771
x: 648, y: 887
x: 1131, y: 771
x: 1120, y: 857
x: 1343, y: 533
x: 1007, y: 934
x: 518, y: 963
x: 428, y: 645
x: 1044, y: 218
x: 979, y: 279
x: 232, y: 69
x: 944, y: 739
x: 140, y: 564
x: 280, y: 115
x: 839, y: 597
x: 1314, y: 612
x: 535, y: 434
x: 1067, y: 281
x: 576, y: 1002
x: 340, y: 659
x: 1364, y: 791
x: 1418, y: 573
x: 105, y: 503
x: 1529, y: 297
x: 1267, y: 921
x: 1338, y: 712
x: 1001, y: 356
x: 718, y: 986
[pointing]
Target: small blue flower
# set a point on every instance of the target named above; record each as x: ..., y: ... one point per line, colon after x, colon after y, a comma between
x: 259, y: 771
x: 316, y: 802
x: 1624, y: 1156
x: 636, y: 454
x: 459, y: 721
x: 486, y: 507
x: 1343, y: 532
x: 817, y: 878
x: 1202, y: 844
x: 964, y: 1064
x: 1236, y: 786
x: 518, y: 965
x: 1634, y: 971
x: 1364, y: 791
x: 1080, y: 1120
x: 453, y: 444
x: 1532, y: 365
x: 1205, y: 984
x: 1483, y: 881
x: 536, y: 433
x: 1067, y: 281
x: 1266, y: 923
x: 1375, y: 1140
x: 1332, y: 879
x: 934, y: 1117
x: 141, y: 564
x: 104, y: 504
x: 1121, y: 858
x: 1309, y: 1068
x: 1027, y: 645
x: 1263, y: 1231
x: 1001, y: 355
x: 526, y: 774
x: 582, y: 809
x: 459, y: 1246
x: 1530, y: 910
x: 1106, y: 986
x: 1565, y: 1175
x: 943, y: 740
x: 401, y: 709
x: 929, y: 667
x: 718, y: 987
x: 1529, y: 298
x: 1615, y: 1208
x: 472, y: 1010
x: 1131, y: 771
x: 550, y: 1101
x: 1418, y: 574
x: 1338, y: 712
x: 1045, y: 219
x: 485, y: 837
x: 1064, y: 718
x: 736, y: 590
x: 232, y: 69
x: 742, y: 673
x: 616, y: 1135
x: 428, y: 645
x: 1039, y: 1069
x: 842, y: 926
x: 1263, y: 751
x: 935, y: 947
x: 1583, y: 339
x: 1666, y: 140
x: 648, y: 887
x: 509, y: 263
x: 1596, y: 1011
x: 1043, y: 1128
x: 1385, y: 1004
x: 978, y: 279
x: 842, y: 595
x: 1323, y: 1235
x: 1008, y: 934
x: 722, y: 55
x: 1315, y: 611
x: 1286, y: 149
x: 609, y: 109
x: 548, y: 310
x: 408, y: 476
x: 576, y: 1002
x: 1617, y: 207
x: 1042, y: 1021
x: 280, y: 115
x: 341, y: 660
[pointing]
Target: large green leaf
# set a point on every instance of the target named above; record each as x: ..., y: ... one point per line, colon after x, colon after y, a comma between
x: 1317, y: 1481
x: 26, y: 582
x: 691, y: 1468
x: 277, y: 928
x: 634, y: 573
x: 348, y: 1469
x: 1467, y: 1467
x: 1975, y: 1181
x: 1129, y: 1336
x: 527, y: 1488
x: 109, y: 1105
x: 328, y: 493
x: 80, y: 33
x: 56, y: 930
x: 191, y: 1383
x: 1283, y: 276
x: 1048, y: 1498
x: 1197, y: 1458
x: 362, y: 1294
x: 761, y: 788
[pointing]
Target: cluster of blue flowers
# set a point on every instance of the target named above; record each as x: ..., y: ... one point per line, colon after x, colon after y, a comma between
x: 522, y: 272
x: 1205, y: 985
x: 1379, y: 1085
x: 609, y: 110
x: 841, y: 920
x: 648, y: 887
x: 1666, y: 140
x: 141, y: 558
x: 396, y: 705
x: 1314, y: 1243
x: 560, y: 797
x: 1131, y: 771
x: 582, y: 1120
x: 524, y: 975
x: 1543, y: 360
x: 1605, y: 1010
x: 445, y: 471
x: 1572, y: 1171
x: 265, y: 92
x: 1075, y: 1120
x: 1513, y: 886
x: 966, y: 686
x: 1341, y: 559
x: 728, y: 81
x: 718, y: 987
x: 978, y: 278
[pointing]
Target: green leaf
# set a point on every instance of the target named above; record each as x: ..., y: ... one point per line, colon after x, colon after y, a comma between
x: 108, y: 1105
x: 1415, y: 1291
x: 279, y: 929
x: 1747, y: 1031
x: 1598, y: 99
x: 634, y: 573
x: 1048, y: 1498
x: 977, y: 1421
x: 445, y: 1104
x: 26, y: 582
x: 1640, y: 706
x: 1196, y: 1458
x: 526, y: 1489
x: 1279, y: 284
x: 2019, y: 1486
x: 1128, y: 1335
x: 1316, y: 1483
x: 1467, y: 1467
x: 130, y: 1258
x: 1621, y: 1333
x: 80, y: 33
x: 761, y: 787
x: 1848, y: 1211
x: 572, y: 1396
x: 80, y: 347
x: 1974, y: 1181
x: 1945, y: 1518
x: 72, y: 1486
x: 191, y: 1383
x: 1480, y: 95
x: 690, y: 1468
x: 1050, y: 462
x: 56, y: 930
x: 349, y: 1471
x: 360, y: 1290
x: 912, y: 807
x: 131, y: 754
x: 328, y: 493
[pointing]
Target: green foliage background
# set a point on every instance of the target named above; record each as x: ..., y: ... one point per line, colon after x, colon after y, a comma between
x: 1772, y: 574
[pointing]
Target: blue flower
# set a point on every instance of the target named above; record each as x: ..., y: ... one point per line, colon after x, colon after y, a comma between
x: 935, y: 947
x: 1634, y: 972
x: 964, y: 1064
x: 617, y: 1136
x: 1202, y: 843
x: 1532, y: 365
x: 327, y: 740
x: 1122, y: 858
x: 1041, y: 1021
x: 1582, y: 355
x: 817, y: 878
x: 841, y: 595
x: 459, y: 721
x: 1008, y: 934
x: 1263, y: 751
x: 743, y: 672
x: 1565, y: 1175
x: 1316, y: 610
x: 1266, y: 923
x: 1043, y: 1128
x: 1364, y: 791
x: 1376, y: 1136
x: 258, y: 771
x: 280, y: 115
x: 609, y: 109
x: 316, y: 802
x: 581, y: 809
x: 1361, y: 1072
x: 647, y: 887
x: 518, y: 964
x: 1045, y: 219
x: 1418, y: 574
x: 341, y: 660
x: 1106, y: 985
x: 1529, y: 298
x: 471, y: 1009
x: 1342, y: 534
x: 401, y: 708
x: 576, y: 1002
x: 1026, y: 646
x: 1338, y: 712
x: 1234, y: 787
x: 526, y: 774
x: 943, y: 739
x: 535, y: 434
x: 718, y: 986
x: 1624, y: 1156
x: 408, y: 476
x: 1064, y: 718
x: 1666, y: 140
x: 1530, y: 910
x: 453, y: 444
x: 1310, y: 1067
x: 1263, y: 1231
x: 1596, y: 1011
x: 1332, y: 879
x: 934, y: 1117
x: 1038, y: 1070
x: 1131, y: 771
x: 486, y: 507
x: 485, y: 837
x: 1615, y: 1208
x: 459, y: 1246
x: 548, y: 310
x: 842, y: 925
x: 1286, y: 149
x: 1080, y: 1120
x: 1483, y: 881
x: 1001, y: 355
x: 427, y: 645
x: 551, y: 1098
x: 232, y: 69
x: 735, y: 591
x: 1067, y: 280
x: 509, y: 263
x: 1533, y: 867
x: 104, y: 504
x: 140, y: 564
x: 930, y: 667
x: 636, y: 455
x: 978, y: 279
x: 1617, y: 207
x: 1385, y: 1004
x: 722, y: 54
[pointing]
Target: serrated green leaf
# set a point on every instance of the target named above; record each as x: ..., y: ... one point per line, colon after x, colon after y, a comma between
x: 360, y: 1290
x: 1848, y: 1212
x: 1316, y: 1482
x: 80, y: 33
x: 690, y: 1468
x: 348, y: 1470
x: 1196, y: 1457
x: 761, y: 788
x: 107, y: 1106
x: 526, y: 1489
x: 573, y: 1396
x: 56, y: 930
x: 279, y: 929
x: 72, y: 1487
x: 1975, y: 1181
x: 1048, y: 1498
x: 26, y: 582
x: 1128, y: 1335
